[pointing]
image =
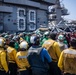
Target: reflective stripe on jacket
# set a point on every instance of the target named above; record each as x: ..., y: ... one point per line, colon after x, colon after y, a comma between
x: 21, y: 59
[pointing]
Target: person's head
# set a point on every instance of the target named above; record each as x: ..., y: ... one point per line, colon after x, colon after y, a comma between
x: 7, y: 41
x: 61, y: 37
x: 53, y: 36
x: 1, y: 42
x: 46, y: 33
x: 11, y: 43
x: 34, y: 39
x: 21, y: 35
x: 73, y: 42
x: 23, y: 46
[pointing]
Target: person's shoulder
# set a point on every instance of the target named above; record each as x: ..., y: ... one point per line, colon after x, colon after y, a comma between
x: 3, y: 52
x: 18, y: 53
x: 66, y: 50
x: 44, y: 49
x: 56, y: 43
x: 11, y: 49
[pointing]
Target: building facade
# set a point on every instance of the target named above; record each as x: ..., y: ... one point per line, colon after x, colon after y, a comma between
x: 23, y: 15
x: 57, y: 13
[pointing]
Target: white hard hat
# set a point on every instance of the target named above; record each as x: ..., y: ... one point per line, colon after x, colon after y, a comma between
x: 61, y: 37
x: 46, y: 33
x: 24, y: 45
x: 34, y: 39
x: 1, y: 42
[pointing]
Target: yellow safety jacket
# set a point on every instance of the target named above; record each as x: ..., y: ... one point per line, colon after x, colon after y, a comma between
x: 3, y: 62
x: 11, y: 53
x: 21, y: 59
x: 53, y: 49
x: 67, y: 61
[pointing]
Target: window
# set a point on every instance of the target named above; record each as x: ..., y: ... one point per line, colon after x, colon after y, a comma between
x: 21, y: 13
x: 21, y: 19
x: 32, y: 16
x: 32, y: 27
x: 21, y: 23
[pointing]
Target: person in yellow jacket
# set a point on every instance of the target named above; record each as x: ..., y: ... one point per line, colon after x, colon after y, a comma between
x: 67, y: 60
x: 3, y: 61
x: 11, y: 55
x: 54, y: 50
x: 21, y: 59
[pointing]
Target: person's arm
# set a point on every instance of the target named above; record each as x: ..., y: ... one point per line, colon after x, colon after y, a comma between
x: 3, y: 61
x: 57, y: 49
x: 14, y: 54
x: 46, y: 55
x: 60, y: 62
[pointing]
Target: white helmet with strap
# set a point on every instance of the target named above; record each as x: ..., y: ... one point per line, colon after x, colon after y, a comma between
x: 46, y: 33
x: 23, y: 45
x: 1, y: 42
x: 34, y: 39
x: 61, y: 37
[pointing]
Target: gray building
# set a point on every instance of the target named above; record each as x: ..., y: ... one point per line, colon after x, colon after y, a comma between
x: 57, y: 13
x: 23, y: 15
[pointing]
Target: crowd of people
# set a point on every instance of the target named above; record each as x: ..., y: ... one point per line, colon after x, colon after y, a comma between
x: 33, y: 54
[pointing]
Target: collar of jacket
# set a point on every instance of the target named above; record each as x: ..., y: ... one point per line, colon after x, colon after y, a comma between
x: 71, y: 48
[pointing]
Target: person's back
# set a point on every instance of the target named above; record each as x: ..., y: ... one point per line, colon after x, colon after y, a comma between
x: 67, y: 59
x: 21, y: 59
x: 22, y: 62
x: 11, y: 54
x: 35, y: 57
x: 54, y: 51
x: 39, y: 58
x: 3, y: 60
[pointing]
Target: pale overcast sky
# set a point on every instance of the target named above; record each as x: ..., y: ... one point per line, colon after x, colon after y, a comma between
x: 71, y: 6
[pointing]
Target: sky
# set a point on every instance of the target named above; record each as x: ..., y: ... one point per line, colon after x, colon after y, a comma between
x: 71, y: 6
